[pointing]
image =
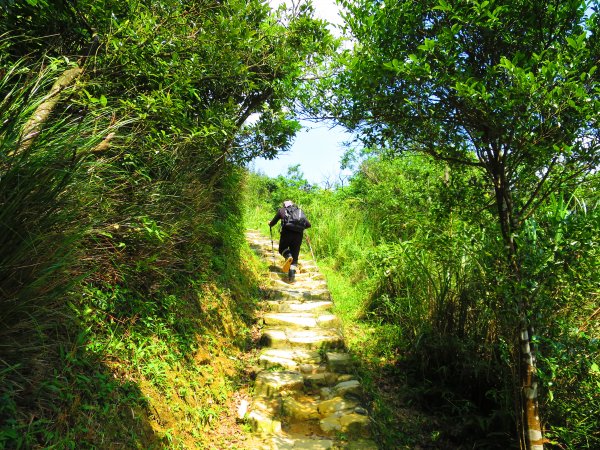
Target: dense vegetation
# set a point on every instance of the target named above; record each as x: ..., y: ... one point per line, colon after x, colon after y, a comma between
x: 414, y: 261
x: 508, y: 89
x: 124, y: 283
x: 467, y: 236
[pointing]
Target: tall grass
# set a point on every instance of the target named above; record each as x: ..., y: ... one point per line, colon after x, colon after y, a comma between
x: 116, y: 267
x: 123, y: 265
x: 413, y: 261
x: 40, y: 231
x: 339, y: 229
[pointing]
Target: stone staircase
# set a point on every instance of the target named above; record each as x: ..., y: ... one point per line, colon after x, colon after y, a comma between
x: 305, y: 395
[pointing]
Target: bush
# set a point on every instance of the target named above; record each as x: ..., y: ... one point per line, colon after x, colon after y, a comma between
x: 425, y: 290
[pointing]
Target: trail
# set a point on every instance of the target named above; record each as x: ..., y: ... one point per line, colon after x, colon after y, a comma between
x: 306, y: 396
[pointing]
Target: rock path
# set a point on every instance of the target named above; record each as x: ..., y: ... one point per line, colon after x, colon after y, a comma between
x: 305, y: 395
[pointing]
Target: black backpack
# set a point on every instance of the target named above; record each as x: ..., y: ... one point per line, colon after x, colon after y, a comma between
x: 294, y: 219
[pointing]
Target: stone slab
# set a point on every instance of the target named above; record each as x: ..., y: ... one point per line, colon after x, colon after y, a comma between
x: 355, y: 425
x: 298, y: 355
x: 263, y: 423
x: 328, y: 321
x: 270, y: 361
x: 336, y: 404
x: 320, y: 379
x: 340, y: 362
x: 299, y: 411
x: 274, y: 337
x: 270, y: 384
x: 294, y: 320
x: 299, y: 306
x: 330, y: 425
x: 314, y: 339
x: 347, y: 387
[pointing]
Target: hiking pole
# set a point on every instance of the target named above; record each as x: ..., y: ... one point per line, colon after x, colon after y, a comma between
x: 310, y: 247
x: 272, y: 248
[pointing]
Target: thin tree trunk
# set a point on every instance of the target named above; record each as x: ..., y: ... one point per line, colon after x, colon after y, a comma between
x: 532, y: 428
x: 529, y: 424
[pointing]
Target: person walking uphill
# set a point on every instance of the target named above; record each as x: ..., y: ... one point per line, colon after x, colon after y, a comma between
x: 293, y: 224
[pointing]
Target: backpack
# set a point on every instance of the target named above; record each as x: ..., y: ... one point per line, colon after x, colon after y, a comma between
x: 294, y: 219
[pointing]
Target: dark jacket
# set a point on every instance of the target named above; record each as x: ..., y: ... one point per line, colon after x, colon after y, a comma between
x: 279, y: 216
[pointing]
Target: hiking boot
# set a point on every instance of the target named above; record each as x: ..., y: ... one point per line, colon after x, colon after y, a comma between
x: 287, y: 264
x: 292, y: 275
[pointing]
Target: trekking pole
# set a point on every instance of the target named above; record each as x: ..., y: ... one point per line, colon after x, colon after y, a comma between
x: 272, y: 247
x: 310, y: 247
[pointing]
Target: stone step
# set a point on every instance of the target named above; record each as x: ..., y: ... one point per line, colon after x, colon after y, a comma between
x: 307, y: 383
x: 349, y: 388
x: 349, y: 423
x: 302, y: 267
x: 300, y: 276
x: 269, y: 407
x: 263, y: 423
x: 301, y: 284
x: 259, y: 242
x: 335, y: 405
x: 307, y: 265
x: 301, y: 320
x: 308, y: 339
x: 319, y: 379
x: 315, y: 374
x: 315, y: 339
x: 270, y: 384
x: 291, y: 359
x: 291, y: 293
x: 254, y: 241
x: 339, y: 362
x: 301, y: 443
x: 314, y: 306
x: 300, y: 409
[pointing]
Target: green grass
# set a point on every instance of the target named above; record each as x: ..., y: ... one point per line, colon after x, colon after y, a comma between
x: 125, y: 290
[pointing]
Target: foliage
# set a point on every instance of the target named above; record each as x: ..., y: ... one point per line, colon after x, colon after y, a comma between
x: 411, y: 255
x: 40, y: 236
x: 508, y: 88
x: 123, y: 254
x: 565, y: 239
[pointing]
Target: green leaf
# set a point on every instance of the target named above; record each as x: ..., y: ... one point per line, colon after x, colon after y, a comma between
x: 428, y: 45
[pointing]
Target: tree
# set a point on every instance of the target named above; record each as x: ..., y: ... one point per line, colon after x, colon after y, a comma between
x: 510, y: 87
x: 124, y: 126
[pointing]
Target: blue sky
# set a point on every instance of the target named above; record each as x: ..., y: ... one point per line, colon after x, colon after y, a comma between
x: 317, y: 148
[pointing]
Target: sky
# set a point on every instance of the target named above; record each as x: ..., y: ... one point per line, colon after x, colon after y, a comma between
x: 318, y: 148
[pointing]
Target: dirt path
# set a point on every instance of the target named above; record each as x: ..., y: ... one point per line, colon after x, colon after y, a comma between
x: 306, y: 396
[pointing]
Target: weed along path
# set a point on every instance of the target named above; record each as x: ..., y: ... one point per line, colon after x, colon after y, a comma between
x: 305, y: 395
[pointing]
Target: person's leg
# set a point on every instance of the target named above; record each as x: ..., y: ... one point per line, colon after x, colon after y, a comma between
x: 285, y: 244
x: 295, y: 242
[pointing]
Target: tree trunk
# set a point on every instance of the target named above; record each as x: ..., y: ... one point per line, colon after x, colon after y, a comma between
x: 529, y: 424
x: 532, y: 428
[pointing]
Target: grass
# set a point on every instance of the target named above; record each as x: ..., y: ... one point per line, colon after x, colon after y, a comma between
x: 397, y: 422
x: 126, y: 298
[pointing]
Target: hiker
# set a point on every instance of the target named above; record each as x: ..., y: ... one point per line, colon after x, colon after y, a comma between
x: 293, y: 224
